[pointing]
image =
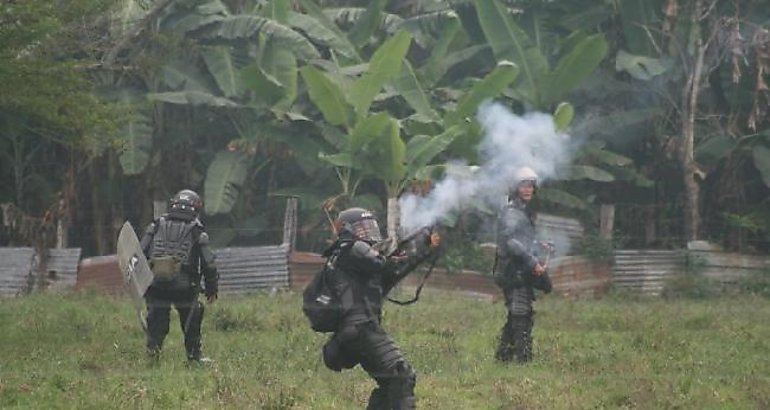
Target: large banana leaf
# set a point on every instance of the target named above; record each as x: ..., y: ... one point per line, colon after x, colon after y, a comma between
x: 322, y: 30
x: 490, y: 86
x: 348, y: 16
x: 636, y: 17
x: 327, y: 96
x: 365, y: 131
x: 179, y: 75
x: 281, y: 64
x: 563, y: 115
x: 575, y: 172
x: 304, y: 148
x: 194, y: 98
x: 641, y: 67
x: 596, y: 151
x: 137, y: 143
x: 224, y: 178
x: 573, y: 68
x: 510, y: 42
x: 384, y: 65
x: 425, y: 28
x: 278, y: 10
x: 204, y: 14
x: 422, y: 149
x: 266, y: 88
x: 377, y: 147
x: 344, y: 46
x: 211, y: 7
x: 585, y: 17
x: 433, y: 72
x: 240, y: 27
x: 561, y: 198
x: 341, y: 159
x: 710, y: 151
x: 409, y: 87
x: 614, y: 124
x: 434, y: 67
x: 367, y: 23
x: 221, y: 66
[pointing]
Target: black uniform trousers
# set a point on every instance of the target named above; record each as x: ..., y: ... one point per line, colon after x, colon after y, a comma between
x: 190, y: 310
x: 516, y: 334
x: 370, y: 346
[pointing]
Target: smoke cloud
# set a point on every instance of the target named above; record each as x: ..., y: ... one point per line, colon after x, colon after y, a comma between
x: 509, y: 143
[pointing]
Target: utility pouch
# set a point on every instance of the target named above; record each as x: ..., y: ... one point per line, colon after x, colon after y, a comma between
x: 165, y: 268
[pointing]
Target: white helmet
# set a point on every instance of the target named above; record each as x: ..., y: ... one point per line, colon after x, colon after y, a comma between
x: 525, y: 174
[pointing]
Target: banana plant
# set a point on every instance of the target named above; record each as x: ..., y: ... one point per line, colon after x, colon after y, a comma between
x: 545, y: 83
x: 367, y: 143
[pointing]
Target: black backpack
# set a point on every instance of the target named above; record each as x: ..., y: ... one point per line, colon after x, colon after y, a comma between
x: 326, y: 299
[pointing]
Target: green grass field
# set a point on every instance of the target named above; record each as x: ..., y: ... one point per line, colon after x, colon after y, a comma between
x: 86, y: 351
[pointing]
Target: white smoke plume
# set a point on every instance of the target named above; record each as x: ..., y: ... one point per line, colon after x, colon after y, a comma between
x: 509, y: 143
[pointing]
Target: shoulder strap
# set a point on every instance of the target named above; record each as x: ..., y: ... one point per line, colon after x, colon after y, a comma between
x: 419, y: 287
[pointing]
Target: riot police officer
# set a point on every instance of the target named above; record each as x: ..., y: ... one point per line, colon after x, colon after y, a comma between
x: 177, y: 248
x: 371, y: 274
x: 520, y: 269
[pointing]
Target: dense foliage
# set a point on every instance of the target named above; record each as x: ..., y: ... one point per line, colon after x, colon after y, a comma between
x: 107, y: 106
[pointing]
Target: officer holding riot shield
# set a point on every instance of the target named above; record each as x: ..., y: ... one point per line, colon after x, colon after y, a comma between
x: 519, y: 270
x: 176, y: 246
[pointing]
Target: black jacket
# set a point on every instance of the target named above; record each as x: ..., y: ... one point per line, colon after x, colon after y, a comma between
x: 517, y: 249
x: 372, y: 274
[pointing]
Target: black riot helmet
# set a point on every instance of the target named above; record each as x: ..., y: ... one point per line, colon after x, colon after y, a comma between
x: 185, y: 204
x: 358, y: 223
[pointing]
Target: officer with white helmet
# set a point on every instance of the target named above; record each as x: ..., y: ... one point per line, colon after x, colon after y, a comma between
x: 518, y: 270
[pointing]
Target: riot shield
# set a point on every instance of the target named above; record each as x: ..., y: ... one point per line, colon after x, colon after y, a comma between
x: 137, y: 275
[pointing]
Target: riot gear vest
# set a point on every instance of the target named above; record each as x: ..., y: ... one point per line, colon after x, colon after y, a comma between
x: 364, y: 268
x: 171, y: 252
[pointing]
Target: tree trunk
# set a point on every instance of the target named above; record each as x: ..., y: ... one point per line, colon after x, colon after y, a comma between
x: 97, y: 213
x: 689, y: 108
x: 394, y: 217
x: 606, y: 221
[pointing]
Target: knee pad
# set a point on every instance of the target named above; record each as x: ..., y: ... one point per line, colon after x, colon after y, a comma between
x: 334, y: 356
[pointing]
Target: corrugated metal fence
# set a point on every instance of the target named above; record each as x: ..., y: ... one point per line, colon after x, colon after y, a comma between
x: 645, y: 271
x: 557, y: 228
x: 18, y: 270
x: 727, y: 269
x: 247, y: 270
x: 15, y: 269
x: 648, y: 271
x: 242, y: 270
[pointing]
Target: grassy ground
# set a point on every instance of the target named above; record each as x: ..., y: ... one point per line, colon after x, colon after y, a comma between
x: 86, y: 351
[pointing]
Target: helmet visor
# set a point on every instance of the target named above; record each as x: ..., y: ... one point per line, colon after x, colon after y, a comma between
x: 367, y: 230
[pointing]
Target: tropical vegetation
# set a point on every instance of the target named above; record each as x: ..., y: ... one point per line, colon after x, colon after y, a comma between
x: 109, y: 105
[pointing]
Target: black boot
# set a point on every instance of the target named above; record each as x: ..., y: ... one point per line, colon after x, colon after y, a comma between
x: 378, y: 400
x: 505, y: 347
x: 522, y: 333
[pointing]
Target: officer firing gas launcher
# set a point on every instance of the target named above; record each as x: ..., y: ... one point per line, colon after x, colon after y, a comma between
x: 411, y: 251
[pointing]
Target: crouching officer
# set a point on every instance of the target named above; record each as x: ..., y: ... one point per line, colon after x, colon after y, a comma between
x: 361, y: 339
x: 519, y: 269
x: 176, y: 245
